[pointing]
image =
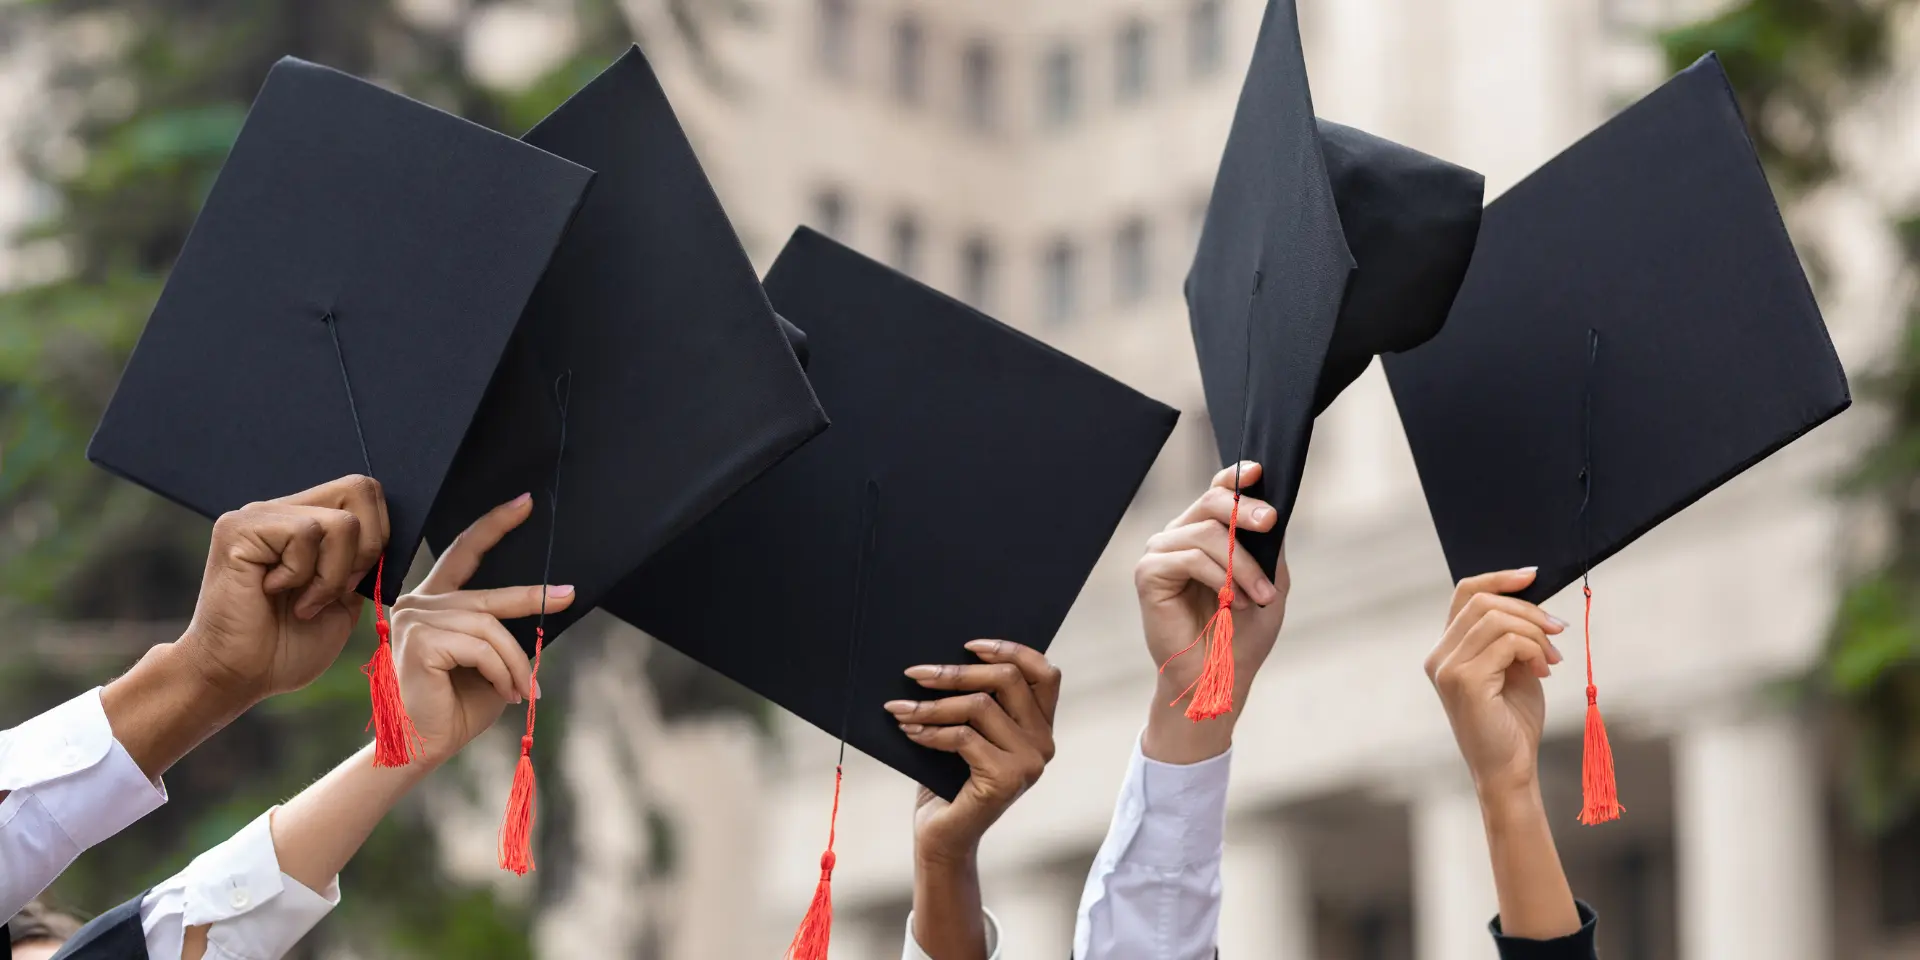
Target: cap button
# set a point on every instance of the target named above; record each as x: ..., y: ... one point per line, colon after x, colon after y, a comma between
x: 526, y: 744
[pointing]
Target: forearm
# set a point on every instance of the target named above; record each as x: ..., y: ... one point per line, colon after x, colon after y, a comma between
x: 317, y: 832
x: 165, y: 706
x: 948, y: 922
x: 1536, y: 902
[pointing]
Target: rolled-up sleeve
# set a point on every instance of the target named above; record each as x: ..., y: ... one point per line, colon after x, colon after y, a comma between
x: 69, y: 785
x: 251, y: 910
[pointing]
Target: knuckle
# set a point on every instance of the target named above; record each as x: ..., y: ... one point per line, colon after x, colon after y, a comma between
x: 976, y: 704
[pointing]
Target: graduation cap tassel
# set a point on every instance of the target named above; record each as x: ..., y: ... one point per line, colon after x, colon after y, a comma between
x: 516, y: 831
x: 516, y: 828
x: 394, y: 739
x: 816, y: 927
x: 1599, y: 794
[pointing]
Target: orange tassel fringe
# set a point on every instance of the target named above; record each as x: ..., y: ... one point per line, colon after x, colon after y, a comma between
x: 816, y: 928
x: 1599, y: 794
x: 1213, y: 691
x: 394, y: 739
x: 516, y: 830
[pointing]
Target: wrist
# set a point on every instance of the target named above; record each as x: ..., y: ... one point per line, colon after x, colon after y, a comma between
x: 1172, y: 738
x: 165, y: 705
x: 1505, y: 803
x: 945, y: 857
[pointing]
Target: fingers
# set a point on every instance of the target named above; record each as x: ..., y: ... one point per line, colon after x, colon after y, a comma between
x: 337, y: 568
x: 1247, y: 470
x: 462, y: 557
x: 1211, y: 537
x: 1499, y: 581
x: 504, y: 603
x: 1003, y: 682
x: 1042, y: 677
x: 981, y: 711
x: 445, y: 650
x: 1506, y: 651
x: 963, y: 740
x: 1495, y: 629
x: 1476, y: 607
x: 366, y: 500
x: 285, y: 542
x: 1170, y: 573
x: 479, y: 626
x: 1217, y: 504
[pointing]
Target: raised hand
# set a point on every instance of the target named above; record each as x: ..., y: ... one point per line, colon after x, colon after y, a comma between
x: 277, y: 601
x: 1487, y: 668
x: 1178, y: 580
x: 458, y: 665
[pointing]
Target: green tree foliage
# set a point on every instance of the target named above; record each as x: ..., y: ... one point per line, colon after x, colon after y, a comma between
x: 1798, y: 65
x: 145, y: 97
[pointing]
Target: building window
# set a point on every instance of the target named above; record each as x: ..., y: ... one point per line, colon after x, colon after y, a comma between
x: 835, y: 43
x: 976, y: 272
x: 980, y: 81
x: 1132, y: 262
x: 1059, y: 99
x: 1059, y: 268
x: 1206, y: 37
x: 904, y: 236
x: 830, y: 214
x: 909, y: 49
x: 1134, y: 61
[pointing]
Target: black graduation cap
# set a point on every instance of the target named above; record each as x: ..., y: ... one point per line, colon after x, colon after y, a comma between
x: 1323, y: 247
x: 1635, y: 331
x: 970, y: 481
x: 340, y: 305
x: 678, y: 385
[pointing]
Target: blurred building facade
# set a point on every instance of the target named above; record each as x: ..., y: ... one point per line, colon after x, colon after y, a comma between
x: 1051, y: 164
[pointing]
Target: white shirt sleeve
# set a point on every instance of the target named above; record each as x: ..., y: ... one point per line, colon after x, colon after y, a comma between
x: 1154, y: 891
x: 255, y: 912
x: 912, y: 950
x: 69, y: 785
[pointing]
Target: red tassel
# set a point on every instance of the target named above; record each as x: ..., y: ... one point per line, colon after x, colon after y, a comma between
x: 1213, y: 691
x: 516, y: 831
x: 1600, y: 799
x: 394, y: 739
x: 816, y: 928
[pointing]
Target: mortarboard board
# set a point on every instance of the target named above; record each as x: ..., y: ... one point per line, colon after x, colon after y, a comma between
x: 679, y: 385
x: 1323, y: 247
x: 339, y: 306
x: 918, y: 522
x: 649, y: 370
x: 956, y: 419
x: 1635, y: 330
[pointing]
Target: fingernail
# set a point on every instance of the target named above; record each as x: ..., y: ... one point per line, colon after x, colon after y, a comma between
x: 1556, y: 621
x: 517, y: 699
x: 1554, y: 655
x: 521, y: 500
x: 1527, y: 570
x: 911, y: 729
x: 536, y: 689
x: 1267, y: 593
x: 923, y: 672
x: 563, y: 590
x: 1260, y: 514
x: 983, y: 646
x: 900, y: 706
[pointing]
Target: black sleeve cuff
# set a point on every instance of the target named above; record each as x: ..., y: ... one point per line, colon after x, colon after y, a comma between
x: 1579, y: 945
